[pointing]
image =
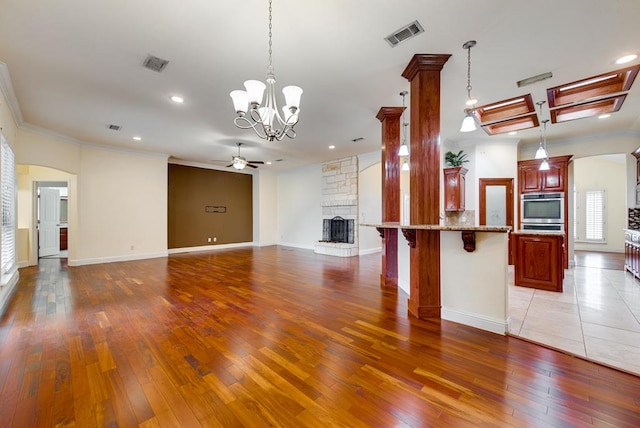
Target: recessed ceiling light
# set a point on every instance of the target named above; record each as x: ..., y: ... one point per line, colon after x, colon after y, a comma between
x: 268, y: 163
x: 177, y: 99
x: 513, y: 132
x: 603, y: 116
x: 137, y: 138
x: 332, y: 147
x: 627, y: 58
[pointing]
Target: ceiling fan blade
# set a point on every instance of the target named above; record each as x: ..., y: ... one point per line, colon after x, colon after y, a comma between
x: 250, y: 166
x: 257, y: 162
x: 229, y: 165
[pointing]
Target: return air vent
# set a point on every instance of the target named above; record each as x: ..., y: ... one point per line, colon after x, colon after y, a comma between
x: 115, y: 127
x: 154, y: 63
x: 534, y: 79
x: 404, y: 33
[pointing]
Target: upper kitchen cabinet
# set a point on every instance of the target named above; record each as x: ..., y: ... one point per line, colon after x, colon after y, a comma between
x: 454, y: 186
x: 531, y: 179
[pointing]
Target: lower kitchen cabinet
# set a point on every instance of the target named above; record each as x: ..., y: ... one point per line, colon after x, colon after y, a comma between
x: 538, y: 260
x: 632, y: 252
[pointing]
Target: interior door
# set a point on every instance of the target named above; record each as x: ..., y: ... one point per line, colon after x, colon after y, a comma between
x: 496, y: 204
x: 48, y: 222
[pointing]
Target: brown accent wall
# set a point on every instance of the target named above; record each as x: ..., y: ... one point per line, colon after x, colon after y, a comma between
x: 192, y: 190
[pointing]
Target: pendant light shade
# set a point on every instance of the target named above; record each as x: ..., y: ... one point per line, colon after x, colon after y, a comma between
x: 544, y: 166
x: 405, y: 165
x: 541, y: 153
x: 468, y: 123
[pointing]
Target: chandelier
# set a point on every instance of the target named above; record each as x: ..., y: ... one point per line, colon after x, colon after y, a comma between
x: 264, y: 117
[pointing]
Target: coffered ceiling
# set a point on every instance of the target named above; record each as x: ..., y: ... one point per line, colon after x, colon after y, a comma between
x: 75, y: 67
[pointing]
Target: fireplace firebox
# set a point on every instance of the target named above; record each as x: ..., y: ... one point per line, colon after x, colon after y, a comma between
x: 338, y: 229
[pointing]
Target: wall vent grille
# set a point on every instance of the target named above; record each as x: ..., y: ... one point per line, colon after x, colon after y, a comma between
x: 115, y: 127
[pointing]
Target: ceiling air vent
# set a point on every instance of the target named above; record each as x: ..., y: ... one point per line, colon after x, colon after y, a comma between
x: 404, y: 33
x: 534, y: 79
x: 115, y: 127
x: 154, y: 63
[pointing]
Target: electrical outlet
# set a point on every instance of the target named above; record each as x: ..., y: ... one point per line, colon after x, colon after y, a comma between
x: 208, y: 239
x: 215, y: 239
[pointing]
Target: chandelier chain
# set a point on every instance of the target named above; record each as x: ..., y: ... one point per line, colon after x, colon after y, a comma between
x: 270, y: 43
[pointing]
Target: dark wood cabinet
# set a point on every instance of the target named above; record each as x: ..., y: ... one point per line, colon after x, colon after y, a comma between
x: 632, y: 252
x: 454, y: 188
x: 553, y: 180
x: 538, y: 260
x: 63, y: 238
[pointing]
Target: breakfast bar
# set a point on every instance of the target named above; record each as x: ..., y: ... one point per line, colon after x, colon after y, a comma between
x: 473, y: 265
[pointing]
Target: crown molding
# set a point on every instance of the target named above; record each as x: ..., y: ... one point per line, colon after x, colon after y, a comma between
x: 9, y: 94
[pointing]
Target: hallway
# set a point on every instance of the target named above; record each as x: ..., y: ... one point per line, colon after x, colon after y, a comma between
x: 596, y: 317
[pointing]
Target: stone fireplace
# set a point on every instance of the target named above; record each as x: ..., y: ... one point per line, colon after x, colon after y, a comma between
x: 339, y: 208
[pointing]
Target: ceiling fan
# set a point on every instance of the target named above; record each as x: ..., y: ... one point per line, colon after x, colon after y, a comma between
x: 239, y: 162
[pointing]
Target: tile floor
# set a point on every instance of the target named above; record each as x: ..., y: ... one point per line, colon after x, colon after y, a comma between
x: 597, y: 316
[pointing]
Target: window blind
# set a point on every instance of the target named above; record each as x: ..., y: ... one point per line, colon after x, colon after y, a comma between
x: 594, y: 215
x: 8, y: 188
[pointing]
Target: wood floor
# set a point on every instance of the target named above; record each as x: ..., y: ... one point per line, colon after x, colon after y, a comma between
x: 597, y: 259
x: 273, y: 336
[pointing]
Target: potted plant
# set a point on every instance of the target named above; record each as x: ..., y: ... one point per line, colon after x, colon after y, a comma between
x: 455, y: 159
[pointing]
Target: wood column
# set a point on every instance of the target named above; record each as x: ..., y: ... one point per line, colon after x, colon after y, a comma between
x: 423, y: 72
x: 390, y: 118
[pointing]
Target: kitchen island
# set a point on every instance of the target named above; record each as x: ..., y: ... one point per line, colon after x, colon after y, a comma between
x: 473, y: 263
x: 538, y: 259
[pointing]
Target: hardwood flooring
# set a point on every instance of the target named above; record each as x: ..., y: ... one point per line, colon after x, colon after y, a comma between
x: 273, y: 336
x: 602, y: 260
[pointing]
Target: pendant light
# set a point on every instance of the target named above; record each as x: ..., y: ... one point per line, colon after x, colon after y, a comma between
x: 541, y: 153
x: 264, y: 117
x: 404, y: 150
x: 544, y: 166
x: 405, y: 165
x: 469, y: 122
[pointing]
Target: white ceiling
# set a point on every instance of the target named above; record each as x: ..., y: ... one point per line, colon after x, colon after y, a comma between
x: 76, y: 67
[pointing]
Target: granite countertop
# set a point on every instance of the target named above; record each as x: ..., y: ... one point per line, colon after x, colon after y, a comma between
x: 395, y: 225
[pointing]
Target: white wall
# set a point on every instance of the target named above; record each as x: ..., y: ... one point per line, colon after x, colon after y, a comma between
x: 608, y: 173
x: 122, y: 206
x: 265, y: 208
x: 370, y: 207
x: 299, y: 195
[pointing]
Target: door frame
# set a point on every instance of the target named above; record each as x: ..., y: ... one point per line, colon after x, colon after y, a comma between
x: 482, y: 184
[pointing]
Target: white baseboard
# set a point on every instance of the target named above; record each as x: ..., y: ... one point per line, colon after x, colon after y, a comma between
x: 127, y: 258
x: 210, y: 247
x: 478, y: 321
x: 294, y: 245
x: 369, y: 251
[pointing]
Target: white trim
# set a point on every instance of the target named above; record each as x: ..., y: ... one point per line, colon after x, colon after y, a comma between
x: 265, y: 244
x: 294, y: 245
x: 493, y: 325
x: 6, y: 290
x: 7, y: 90
x: 209, y: 247
x: 112, y: 259
x: 369, y: 251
